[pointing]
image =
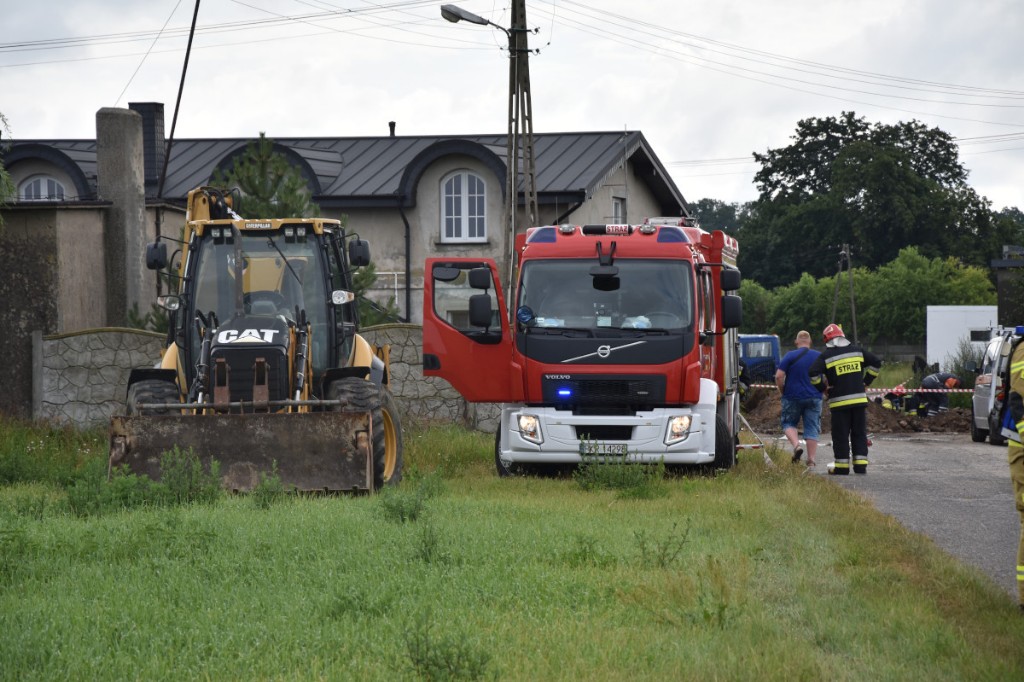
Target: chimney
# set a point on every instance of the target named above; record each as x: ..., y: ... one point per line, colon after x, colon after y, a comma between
x: 391, y: 125
x: 153, y: 142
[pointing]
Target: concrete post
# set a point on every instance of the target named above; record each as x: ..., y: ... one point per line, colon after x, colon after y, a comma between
x: 120, y: 179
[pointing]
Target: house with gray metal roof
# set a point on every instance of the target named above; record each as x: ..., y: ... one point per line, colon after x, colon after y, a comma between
x: 411, y: 197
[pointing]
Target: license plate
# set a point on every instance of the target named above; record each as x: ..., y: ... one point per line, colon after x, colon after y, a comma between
x: 589, y: 449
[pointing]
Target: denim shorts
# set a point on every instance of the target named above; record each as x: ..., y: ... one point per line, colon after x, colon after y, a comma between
x: 807, y: 408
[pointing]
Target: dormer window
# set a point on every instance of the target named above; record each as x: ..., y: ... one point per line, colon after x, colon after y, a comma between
x: 463, y: 208
x: 41, y: 188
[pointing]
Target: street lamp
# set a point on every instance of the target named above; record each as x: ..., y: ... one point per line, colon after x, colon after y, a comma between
x: 520, y: 115
x: 456, y: 14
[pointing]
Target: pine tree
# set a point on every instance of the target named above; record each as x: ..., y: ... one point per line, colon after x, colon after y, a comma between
x: 270, y: 186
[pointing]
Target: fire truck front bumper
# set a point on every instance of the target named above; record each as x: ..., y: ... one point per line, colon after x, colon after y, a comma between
x: 539, y: 435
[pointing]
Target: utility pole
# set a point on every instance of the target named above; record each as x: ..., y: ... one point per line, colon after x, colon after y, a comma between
x: 520, y: 119
x: 520, y: 130
x: 844, y: 260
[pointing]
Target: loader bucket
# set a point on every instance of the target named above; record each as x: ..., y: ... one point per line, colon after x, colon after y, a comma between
x: 314, y: 451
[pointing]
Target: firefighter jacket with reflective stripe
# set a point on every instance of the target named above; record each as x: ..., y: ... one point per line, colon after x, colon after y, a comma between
x: 845, y: 371
x: 1013, y: 415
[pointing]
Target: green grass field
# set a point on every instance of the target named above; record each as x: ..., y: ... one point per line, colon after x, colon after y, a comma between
x: 759, y: 573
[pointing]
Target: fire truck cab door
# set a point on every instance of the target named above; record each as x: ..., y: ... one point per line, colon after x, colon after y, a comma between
x: 462, y: 343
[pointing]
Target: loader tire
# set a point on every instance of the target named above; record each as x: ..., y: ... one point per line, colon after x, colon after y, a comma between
x: 360, y: 395
x: 151, y: 391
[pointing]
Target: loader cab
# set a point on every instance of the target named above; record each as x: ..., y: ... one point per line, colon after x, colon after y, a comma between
x: 269, y: 278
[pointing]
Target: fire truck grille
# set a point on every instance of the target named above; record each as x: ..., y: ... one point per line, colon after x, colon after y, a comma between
x: 598, y: 432
x: 636, y: 392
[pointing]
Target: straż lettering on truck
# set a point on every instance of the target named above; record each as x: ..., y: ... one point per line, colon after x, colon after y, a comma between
x: 622, y: 342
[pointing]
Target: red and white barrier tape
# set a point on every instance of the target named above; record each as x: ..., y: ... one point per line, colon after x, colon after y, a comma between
x: 906, y: 391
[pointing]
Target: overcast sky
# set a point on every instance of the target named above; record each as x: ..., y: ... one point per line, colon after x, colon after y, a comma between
x: 707, y: 82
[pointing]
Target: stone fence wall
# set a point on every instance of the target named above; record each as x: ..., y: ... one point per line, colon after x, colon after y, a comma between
x: 81, y: 378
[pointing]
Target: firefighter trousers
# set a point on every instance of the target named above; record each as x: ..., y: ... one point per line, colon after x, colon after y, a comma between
x: 1015, y: 454
x: 850, y: 430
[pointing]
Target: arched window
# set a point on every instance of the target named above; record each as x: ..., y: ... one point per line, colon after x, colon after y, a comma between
x: 463, y: 208
x: 41, y: 188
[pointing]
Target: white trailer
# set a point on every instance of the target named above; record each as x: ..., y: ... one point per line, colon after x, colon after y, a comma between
x: 948, y: 325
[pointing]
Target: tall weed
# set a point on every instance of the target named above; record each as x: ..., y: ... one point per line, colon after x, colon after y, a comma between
x: 433, y: 655
x: 628, y: 479
x: 183, y: 475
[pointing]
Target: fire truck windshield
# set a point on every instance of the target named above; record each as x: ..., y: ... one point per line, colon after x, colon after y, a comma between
x: 650, y: 294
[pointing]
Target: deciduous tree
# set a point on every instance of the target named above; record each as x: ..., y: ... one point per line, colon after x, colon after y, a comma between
x: 877, y: 187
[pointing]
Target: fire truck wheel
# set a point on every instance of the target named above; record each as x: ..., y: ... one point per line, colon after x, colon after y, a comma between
x: 513, y: 468
x: 725, y: 446
x: 151, y: 391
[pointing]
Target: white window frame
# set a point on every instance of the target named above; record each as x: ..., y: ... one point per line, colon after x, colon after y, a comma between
x: 463, y: 213
x: 618, y: 211
x: 31, y: 189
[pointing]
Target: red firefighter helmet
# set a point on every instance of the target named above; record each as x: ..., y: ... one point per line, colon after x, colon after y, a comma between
x: 832, y: 331
x: 900, y: 391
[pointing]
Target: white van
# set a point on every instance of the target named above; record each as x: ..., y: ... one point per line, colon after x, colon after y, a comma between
x: 988, y: 389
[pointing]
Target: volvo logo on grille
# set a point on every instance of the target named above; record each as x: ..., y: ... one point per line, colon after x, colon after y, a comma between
x: 604, y: 350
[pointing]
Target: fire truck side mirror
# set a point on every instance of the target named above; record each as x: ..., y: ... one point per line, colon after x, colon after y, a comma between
x: 480, y: 278
x: 480, y: 312
x: 732, y: 311
x: 156, y: 256
x: 730, y: 279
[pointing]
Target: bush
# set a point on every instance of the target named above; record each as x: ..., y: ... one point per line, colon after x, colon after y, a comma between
x: 601, y: 471
x: 447, y: 656
x: 182, y: 474
x: 270, y: 489
x: 183, y: 481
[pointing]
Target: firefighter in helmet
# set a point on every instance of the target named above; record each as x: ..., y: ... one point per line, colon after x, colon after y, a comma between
x: 1013, y: 430
x: 842, y: 372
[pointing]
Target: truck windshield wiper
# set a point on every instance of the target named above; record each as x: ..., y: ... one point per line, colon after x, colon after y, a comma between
x: 562, y: 331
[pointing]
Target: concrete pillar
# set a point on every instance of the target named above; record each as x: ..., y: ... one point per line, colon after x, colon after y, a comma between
x: 120, y: 179
x: 153, y: 142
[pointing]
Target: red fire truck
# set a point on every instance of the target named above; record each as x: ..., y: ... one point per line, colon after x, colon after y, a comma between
x: 622, y: 343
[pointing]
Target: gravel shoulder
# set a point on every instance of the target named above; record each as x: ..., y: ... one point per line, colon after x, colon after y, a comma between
x: 945, y: 486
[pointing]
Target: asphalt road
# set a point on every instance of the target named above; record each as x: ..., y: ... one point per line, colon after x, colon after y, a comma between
x: 947, y: 487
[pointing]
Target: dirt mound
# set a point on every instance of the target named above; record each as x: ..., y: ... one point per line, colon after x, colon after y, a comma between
x: 763, y: 406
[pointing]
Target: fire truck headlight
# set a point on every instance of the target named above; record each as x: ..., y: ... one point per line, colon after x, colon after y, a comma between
x: 678, y: 429
x: 529, y: 428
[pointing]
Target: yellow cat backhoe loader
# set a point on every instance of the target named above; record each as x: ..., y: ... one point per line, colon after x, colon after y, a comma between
x: 264, y: 369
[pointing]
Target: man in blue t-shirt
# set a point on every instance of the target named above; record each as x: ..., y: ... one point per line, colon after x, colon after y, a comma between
x: 800, y: 400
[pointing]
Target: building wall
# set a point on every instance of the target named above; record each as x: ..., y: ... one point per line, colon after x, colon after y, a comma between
x: 640, y: 203
x: 28, y: 299
x: 81, y: 275
x: 385, y: 230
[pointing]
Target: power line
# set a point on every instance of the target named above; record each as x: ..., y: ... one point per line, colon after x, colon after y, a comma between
x: 672, y: 35
x: 143, y: 60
